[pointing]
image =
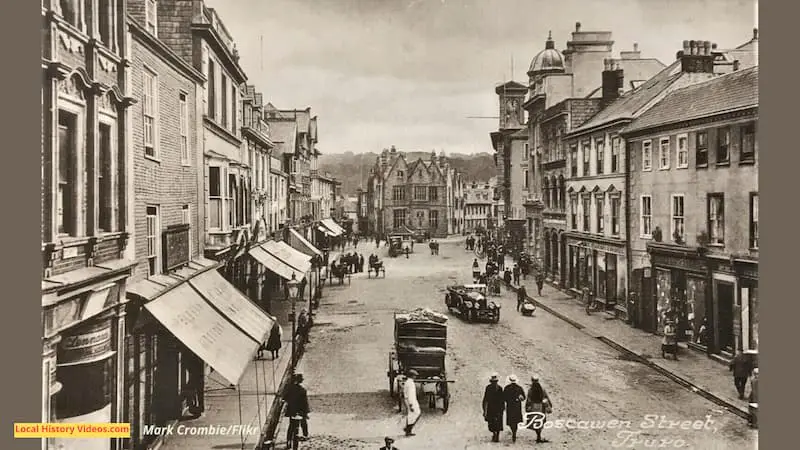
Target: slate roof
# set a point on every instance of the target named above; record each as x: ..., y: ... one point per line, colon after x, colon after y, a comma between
x: 303, y: 118
x: 283, y: 133
x: 729, y: 92
x: 626, y: 106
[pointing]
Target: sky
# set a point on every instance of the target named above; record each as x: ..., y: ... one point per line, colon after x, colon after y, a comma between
x: 409, y: 73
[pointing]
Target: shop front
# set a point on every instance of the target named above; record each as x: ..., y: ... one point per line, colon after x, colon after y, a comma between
x: 596, y: 265
x: 735, y: 304
x: 84, y: 321
x: 281, y: 261
x: 680, y: 293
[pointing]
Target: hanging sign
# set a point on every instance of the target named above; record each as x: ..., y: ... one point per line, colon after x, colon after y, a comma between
x: 86, y: 344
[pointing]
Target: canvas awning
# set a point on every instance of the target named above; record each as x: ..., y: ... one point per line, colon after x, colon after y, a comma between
x: 215, y: 321
x: 274, y: 264
x: 333, y: 226
x: 325, y: 231
x: 301, y: 244
x: 286, y: 254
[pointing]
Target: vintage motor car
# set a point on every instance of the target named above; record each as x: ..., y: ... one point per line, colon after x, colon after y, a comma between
x: 470, y: 302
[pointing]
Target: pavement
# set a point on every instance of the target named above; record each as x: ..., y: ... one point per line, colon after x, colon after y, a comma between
x: 248, y: 404
x: 695, y: 370
x: 606, y: 393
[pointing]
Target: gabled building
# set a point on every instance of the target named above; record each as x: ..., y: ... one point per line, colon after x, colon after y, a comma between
x: 478, y: 200
x: 693, y: 225
x: 597, y: 240
x: 408, y: 195
x: 87, y: 220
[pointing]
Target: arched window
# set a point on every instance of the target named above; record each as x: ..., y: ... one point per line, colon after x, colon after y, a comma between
x: 546, y: 191
x: 562, y: 189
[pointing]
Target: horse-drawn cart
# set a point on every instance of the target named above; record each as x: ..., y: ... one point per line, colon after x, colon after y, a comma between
x: 420, y: 343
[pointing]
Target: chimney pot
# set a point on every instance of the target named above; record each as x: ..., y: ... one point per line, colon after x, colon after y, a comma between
x: 635, y: 47
x: 692, y: 48
x: 577, y: 27
x: 679, y: 54
x: 685, y: 47
x: 706, y: 48
x: 755, y: 33
x: 714, y: 46
x: 735, y: 65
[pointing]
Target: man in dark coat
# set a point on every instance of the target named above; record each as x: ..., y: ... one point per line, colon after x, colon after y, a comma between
x: 514, y: 396
x: 742, y: 368
x: 296, y: 399
x: 522, y: 295
x: 539, y: 282
x: 493, y: 407
x: 360, y: 263
x: 515, y: 273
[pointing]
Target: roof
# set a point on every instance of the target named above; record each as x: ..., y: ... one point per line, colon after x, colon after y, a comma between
x: 283, y: 133
x: 509, y: 85
x: 734, y: 91
x: 303, y: 118
x: 547, y: 59
x: 627, y: 106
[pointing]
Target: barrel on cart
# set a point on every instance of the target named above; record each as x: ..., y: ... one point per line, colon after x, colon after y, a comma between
x: 420, y: 343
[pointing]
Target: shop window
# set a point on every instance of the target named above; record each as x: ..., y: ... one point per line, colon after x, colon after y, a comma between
x: 716, y: 218
x: 701, y: 149
x: 696, y: 311
x: 86, y: 388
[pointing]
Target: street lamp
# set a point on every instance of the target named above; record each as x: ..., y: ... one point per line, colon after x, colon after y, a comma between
x: 293, y: 287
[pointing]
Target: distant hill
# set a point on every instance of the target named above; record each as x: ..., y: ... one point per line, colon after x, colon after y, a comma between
x: 353, y: 168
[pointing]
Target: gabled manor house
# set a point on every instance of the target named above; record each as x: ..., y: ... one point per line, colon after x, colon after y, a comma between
x: 176, y: 201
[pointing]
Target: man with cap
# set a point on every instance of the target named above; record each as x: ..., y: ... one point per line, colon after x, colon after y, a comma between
x: 514, y: 396
x: 388, y: 441
x: 410, y: 399
x: 493, y: 407
x: 296, y: 399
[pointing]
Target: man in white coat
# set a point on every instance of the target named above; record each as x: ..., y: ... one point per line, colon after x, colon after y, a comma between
x: 410, y: 399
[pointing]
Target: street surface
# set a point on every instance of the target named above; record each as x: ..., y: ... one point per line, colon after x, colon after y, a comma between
x: 346, y: 362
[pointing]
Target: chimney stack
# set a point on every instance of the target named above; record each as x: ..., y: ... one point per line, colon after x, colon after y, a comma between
x: 394, y: 149
x: 577, y: 27
x: 697, y: 56
x: 613, y: 79
x: 635, y: 54
x: 755, y: 34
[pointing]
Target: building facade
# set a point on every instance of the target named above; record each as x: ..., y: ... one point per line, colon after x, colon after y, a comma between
x: 168, y: 218
x: 87, y: 221
x: 455, y: 200
x: 258, y: 151
x: 597, y: 242
x: 327, y: 187
x: 694, y: 212
x: 409, y: 195
x: 478, y: 201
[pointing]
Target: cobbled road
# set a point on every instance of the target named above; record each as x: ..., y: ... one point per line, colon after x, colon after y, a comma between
x: 613, y: 402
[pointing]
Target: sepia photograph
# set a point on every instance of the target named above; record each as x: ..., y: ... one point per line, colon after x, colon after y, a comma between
x: 399, y: 224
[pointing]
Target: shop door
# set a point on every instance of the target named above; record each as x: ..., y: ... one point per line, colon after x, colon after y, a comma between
x: 678, y: 289
x: 648, y: 308
x: 573, y: 266
x: 725, y: 307
x: 611, y: 278
x: 563, y: 265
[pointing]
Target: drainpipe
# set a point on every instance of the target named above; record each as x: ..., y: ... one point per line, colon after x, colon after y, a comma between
x: 628, y: 253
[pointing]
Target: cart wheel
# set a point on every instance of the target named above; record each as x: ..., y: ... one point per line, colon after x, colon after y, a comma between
x: 497, y: 318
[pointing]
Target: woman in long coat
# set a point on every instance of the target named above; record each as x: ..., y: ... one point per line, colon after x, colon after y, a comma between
x: 514, y: 396
x: 274, y: 341
x: 538, y: 402
x: 493, y: 407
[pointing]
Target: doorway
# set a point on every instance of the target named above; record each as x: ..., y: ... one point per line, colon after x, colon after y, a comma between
x: 648, y: 304
x: 725, y: 310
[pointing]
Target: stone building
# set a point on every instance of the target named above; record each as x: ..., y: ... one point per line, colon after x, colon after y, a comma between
x: 693, y: 223
x: 510, y: 141
x: 455, y: 200
x: 257, y: 147
x: 408, y: 195
x: 597, y: 241
x: 86, y: 218
x: 478, y: 200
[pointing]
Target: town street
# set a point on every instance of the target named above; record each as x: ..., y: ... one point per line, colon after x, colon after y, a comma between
x: 346, y: 363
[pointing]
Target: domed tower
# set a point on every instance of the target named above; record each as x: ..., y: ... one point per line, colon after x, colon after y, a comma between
x: 547, y: 61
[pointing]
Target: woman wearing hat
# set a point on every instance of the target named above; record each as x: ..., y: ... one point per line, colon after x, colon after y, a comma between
x: 514, y: 396
x: 538, y: 402
x: 493, y: 407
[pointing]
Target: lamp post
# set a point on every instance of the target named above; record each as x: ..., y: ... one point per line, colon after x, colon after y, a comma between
x: 293, y: 288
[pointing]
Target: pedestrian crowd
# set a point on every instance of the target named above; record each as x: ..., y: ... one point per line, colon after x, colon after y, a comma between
x: 511, y: 400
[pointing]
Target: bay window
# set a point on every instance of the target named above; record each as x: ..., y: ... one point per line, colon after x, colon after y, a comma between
x: 215, y: 195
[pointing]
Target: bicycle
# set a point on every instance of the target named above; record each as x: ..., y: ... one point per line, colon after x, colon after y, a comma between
x: 295, y: 423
